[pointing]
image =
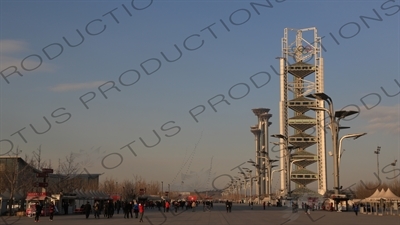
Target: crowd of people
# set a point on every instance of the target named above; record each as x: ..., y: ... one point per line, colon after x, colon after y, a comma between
x: 109, y: 208
x: 131, y: 209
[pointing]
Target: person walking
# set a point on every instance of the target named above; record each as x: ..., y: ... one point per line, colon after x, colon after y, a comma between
x: 87, y: 209
x: 96, y: 209
x: 136, y: 209
x: 355, y: 207
x: 193, y: 206
x: 125, y: 207
x: 110, y: 210
x: 130, y: 208
x: 176, y: 206
x: 51, y: 210
x: 308, y: 210
x: 227, y: 205
x: 141, y: 212
x: 167, y: 206
x: 38, y: 211
x: 65, y: 207
x: 118, y: 206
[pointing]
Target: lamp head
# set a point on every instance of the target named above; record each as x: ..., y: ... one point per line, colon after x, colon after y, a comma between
x: 320, y: 96
x: 279, y: 136
x: 344, y: 113
x: 360, y: 135
x: 251, y: 161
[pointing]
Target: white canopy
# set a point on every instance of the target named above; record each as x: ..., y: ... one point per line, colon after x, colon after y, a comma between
x: 385, y: 195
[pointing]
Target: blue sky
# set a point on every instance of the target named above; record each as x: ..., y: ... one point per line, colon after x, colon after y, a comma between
x: 226, y: 43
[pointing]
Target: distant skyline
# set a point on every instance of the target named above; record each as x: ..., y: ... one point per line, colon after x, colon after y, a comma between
x: 164, y: 89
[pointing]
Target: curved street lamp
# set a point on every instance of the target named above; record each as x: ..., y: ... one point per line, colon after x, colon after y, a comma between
x: 286, y: 165
x: 272, y: 174
x: 334, y: 126
x: 354, y: 136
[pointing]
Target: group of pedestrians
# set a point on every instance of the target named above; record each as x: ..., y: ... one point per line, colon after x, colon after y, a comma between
x: 128, y: 207
x: 208, y: 205
x: 39, y: 208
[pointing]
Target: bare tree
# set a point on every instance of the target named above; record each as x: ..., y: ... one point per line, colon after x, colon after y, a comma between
x: 127, y: 190
x: 37, y: 158
x: 67, y: 173
x: 366, y: 189
x: 395, y: 186
x: 109, y: 185
x: 17, y: 175
x: 151, y: 188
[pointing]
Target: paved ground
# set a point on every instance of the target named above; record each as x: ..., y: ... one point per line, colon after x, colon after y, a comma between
x: 241, y: 214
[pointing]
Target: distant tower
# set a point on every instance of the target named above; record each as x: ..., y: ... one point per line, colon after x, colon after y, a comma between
x: 263, y: 167
x: 301, y: 57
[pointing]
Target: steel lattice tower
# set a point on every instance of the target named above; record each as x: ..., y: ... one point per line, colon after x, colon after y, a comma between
x: 301, y: 57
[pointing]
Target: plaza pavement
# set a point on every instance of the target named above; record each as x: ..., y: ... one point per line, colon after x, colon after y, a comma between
x: 241, y: 215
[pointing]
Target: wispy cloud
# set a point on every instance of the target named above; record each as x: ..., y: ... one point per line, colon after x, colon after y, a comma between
x: 384, y: 119
x: 10, y: 47
x: 76, y: 86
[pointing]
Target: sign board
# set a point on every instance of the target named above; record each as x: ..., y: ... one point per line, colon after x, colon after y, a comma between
x: 46, y: 170
x: 36, y: 194
x: 42, y: 175
x: 43, y: 184
x: 338, y: 196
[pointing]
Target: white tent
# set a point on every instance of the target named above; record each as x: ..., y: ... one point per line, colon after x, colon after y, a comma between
x: 388, y: 195
x: 383, y: 200
x: 385, y: 195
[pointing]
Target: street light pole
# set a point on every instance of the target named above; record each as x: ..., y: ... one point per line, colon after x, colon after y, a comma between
x: 291, y: 165
x: 267, y: 171
x: 394, y: 164
x: 377, y: 152
x: 272, y: 175
x: 245, y: 180
x: 334, y: 118
x: 286, y: 166
x: 251, y: 182
x: 354, y: 136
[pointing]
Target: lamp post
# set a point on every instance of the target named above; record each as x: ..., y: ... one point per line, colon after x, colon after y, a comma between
x: 267, y: 170
x: 272, y: 175
x: 116, y: 188
x: 251, y: 186
x: 394, y: 165
x: 251, y: 182
x: 291, y: 165
x: 334, y: 119
x: 354, y: 136
x: 168, y: 191
x: 238, y: 188
x: 244, y: 183
x: 258, y: 174
x: 263, y: 172
x: 377, y: 152
x: 162, y: 188
x: 286, y: 165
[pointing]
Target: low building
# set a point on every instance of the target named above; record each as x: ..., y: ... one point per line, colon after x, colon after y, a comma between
x: 18, y: 178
